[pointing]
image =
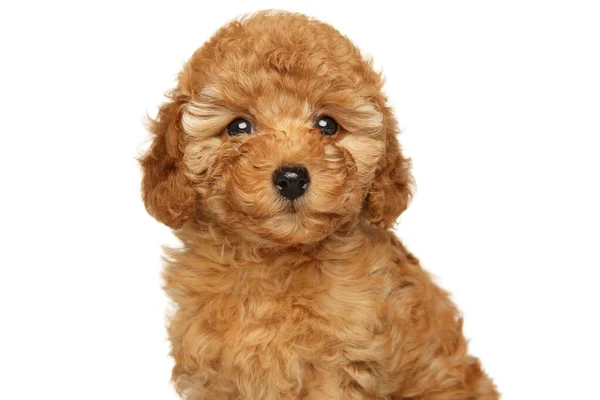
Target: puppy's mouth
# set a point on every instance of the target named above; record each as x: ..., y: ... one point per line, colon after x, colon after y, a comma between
x: 291, y: 207
x: 296, y: 208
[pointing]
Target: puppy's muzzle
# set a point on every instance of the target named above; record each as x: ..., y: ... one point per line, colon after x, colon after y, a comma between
x: 291, y: 181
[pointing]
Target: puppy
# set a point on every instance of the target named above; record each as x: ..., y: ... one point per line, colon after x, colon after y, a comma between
x: 275, y: 161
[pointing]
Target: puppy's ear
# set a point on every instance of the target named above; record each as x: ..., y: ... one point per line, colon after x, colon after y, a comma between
x: 167, y: 192
x: 391, y: 190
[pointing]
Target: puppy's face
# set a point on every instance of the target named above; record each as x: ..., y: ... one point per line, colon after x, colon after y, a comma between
x: 277, y: 131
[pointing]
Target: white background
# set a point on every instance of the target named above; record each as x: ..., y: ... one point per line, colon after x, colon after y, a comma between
x: 500, y: 107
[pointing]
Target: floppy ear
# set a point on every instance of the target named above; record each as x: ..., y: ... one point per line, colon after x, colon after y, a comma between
x: 391, y: 190
x: 167, y: 192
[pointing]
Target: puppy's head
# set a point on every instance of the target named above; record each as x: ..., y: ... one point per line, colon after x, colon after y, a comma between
x: 277, y: 131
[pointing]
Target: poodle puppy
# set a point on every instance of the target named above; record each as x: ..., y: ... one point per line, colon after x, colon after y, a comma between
x: 275, y: 160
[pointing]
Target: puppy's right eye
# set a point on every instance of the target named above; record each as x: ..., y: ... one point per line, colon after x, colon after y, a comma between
x: 239, y: 126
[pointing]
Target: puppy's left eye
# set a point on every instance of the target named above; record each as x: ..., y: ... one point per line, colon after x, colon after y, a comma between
x: 327, y: 125
x: 239, y: 126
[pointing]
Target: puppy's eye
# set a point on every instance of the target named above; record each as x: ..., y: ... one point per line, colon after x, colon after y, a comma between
x: 239, y: 126
x: 327, y: 125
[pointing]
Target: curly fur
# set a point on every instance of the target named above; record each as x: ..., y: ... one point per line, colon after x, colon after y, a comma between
x: 315, y: 299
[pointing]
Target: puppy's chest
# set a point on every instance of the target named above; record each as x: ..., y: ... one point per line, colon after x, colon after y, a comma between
x: 294, y: 326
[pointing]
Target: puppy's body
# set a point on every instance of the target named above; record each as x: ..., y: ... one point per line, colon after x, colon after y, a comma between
x: 308, y: 297
x: 352, y: 318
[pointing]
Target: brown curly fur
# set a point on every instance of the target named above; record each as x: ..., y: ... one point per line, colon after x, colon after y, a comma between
x: 316, y: 300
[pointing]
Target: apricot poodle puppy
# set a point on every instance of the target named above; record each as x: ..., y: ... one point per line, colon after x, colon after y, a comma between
x: 275, y: 161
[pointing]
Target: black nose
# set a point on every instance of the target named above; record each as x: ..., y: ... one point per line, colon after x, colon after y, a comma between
x: 291, y: 181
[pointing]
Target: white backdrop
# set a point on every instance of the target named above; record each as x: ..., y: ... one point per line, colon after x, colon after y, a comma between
x: 499, y: 104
